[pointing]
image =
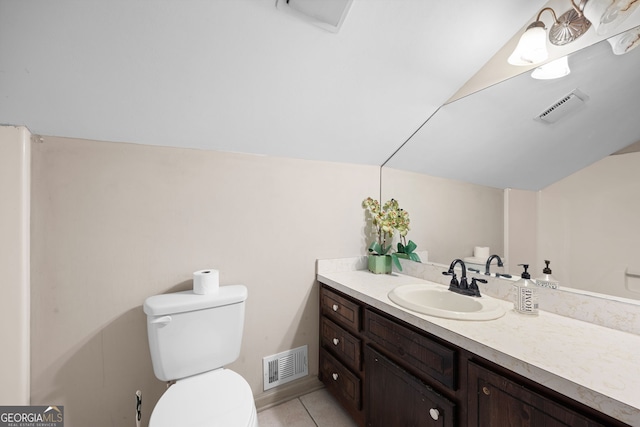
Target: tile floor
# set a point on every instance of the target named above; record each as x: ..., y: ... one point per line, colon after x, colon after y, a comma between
x: 316, y: 409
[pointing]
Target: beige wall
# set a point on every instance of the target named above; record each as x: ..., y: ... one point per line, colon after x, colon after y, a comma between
x: 521, y: 230
x: 116, y: 223
x: 590, y: 226
x: 15, y: 166
x: 448, y: 218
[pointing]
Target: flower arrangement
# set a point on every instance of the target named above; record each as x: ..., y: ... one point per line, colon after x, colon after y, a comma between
x: 386, y: 221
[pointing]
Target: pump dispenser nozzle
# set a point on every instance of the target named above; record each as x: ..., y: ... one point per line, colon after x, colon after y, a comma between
x: 547, y: 280
x: 525, y: 274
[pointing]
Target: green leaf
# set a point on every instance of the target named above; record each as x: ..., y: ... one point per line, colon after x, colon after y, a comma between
x: 401, y: 248
x: 376, y: 248
x: 411, y: 247
x: 396, y: 261
x: 414, y: 257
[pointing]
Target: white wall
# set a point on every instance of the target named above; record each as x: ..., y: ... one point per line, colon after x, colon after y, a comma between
x: 15, y: 167
x: 116, y: 223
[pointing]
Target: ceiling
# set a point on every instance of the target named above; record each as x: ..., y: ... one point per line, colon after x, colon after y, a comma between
x: 241, y: 75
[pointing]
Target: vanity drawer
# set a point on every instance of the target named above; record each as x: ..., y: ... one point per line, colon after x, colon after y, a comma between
x: 343, y: 311
x: 342, y: 343
x: 341, y: 382
x: 422, y: 354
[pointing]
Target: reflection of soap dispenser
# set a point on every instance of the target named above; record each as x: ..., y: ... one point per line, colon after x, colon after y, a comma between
x: 526, y: 301
x: 547, y: 280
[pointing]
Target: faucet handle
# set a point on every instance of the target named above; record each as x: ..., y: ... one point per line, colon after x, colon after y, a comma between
x: 473, y: 286
x: 454, y: 279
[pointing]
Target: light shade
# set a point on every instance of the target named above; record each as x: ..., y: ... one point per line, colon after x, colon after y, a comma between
x: 552, y: 70
x: 615, y: 14
x: 532, y: 47
x: 595, y: 9
x: 625, y: 42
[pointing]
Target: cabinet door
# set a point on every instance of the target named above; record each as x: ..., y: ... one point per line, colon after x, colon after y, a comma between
x: 496, y: 401
x: 396, y: 398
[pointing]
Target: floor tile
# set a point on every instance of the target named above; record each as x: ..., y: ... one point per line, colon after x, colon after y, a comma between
x: 325, y: 410
x: 288, y: 414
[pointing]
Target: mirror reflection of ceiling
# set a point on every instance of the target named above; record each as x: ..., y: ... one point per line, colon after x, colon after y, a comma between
x: 242, y: 75
x: 494, y: 137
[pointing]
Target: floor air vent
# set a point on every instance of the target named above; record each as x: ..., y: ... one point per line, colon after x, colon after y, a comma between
x: 284, y: 367
x: 563, y: 107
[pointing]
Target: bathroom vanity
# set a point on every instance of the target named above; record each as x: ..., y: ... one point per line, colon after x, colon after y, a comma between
x: 389, y: 366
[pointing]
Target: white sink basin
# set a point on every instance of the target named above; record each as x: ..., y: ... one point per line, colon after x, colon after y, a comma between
x: 437, y: 300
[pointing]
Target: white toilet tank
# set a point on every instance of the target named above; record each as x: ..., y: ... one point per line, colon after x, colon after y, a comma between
x: 190, y: 334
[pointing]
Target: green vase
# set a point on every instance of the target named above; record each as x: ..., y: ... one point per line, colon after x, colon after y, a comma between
x: 380, y: 264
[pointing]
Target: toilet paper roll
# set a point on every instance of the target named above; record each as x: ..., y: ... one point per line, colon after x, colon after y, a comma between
x: 481, y: 252
x: 206, y: 281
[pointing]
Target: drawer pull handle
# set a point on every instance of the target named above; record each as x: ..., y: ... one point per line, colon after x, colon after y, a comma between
x: 335, y: 307
x: 336, y: 341
x: 486, y: 391
x: 435, y: 414
x: 335, y: 376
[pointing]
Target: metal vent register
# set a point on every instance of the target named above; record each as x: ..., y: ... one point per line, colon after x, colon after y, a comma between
x: 563, y: 107
x: 284, y: 367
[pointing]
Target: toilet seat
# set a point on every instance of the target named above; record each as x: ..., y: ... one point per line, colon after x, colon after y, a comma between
x: 219, y: 398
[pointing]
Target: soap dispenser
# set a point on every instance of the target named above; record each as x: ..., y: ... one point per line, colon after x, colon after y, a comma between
x: 547, y: 280
x: 526, y: 301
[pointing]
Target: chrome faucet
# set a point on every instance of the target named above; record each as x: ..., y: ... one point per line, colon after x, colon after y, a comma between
x: 487, y: 269
x: 462, y: 287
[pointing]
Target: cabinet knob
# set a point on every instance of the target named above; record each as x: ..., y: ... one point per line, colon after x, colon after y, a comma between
x: 435, y: 414
x: 335, y: 376
x: 336, y: 341
x: 335, y: 307
x: 486, y: 391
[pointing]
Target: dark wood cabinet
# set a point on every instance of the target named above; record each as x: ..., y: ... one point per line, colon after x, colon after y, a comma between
x: 432, y: 360
x: 397, y: 398
x: 341, y: 367
x: 387, y: 373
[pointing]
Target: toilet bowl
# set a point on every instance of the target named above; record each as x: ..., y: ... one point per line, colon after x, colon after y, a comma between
x: 219, y: 398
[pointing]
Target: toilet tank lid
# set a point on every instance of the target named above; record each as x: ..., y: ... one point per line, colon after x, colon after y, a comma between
x: 180, y: 302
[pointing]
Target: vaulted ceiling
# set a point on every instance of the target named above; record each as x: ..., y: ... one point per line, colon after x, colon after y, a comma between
x: 241, y: 75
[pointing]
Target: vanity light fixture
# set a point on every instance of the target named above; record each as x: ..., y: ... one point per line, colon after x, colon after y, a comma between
x: 532, y: 47
x: 605, y: 15
x: 552, y: 70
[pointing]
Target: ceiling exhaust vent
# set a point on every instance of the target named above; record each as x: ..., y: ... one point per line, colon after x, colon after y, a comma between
x: 327, y: 14
x: 563, y: 107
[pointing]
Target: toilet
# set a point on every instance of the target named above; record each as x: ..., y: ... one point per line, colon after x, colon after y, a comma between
x: 191, y: 338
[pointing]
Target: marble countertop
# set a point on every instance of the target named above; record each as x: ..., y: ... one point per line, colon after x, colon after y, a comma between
x: 592, y: 364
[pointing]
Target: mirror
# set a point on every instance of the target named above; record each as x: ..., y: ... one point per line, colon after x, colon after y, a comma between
x: 581, y: 204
